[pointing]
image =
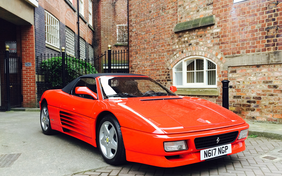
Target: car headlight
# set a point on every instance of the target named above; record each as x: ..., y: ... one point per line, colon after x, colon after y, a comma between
x: 243, y: 134
x: 175, y: 146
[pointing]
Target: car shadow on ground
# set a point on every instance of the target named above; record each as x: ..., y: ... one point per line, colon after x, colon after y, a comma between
x: 211, y: 167
x: 76, y: 142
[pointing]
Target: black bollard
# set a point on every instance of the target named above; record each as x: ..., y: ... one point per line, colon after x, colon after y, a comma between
x: 8, y: 99
x: 225, y: 93
x: 109, y: 59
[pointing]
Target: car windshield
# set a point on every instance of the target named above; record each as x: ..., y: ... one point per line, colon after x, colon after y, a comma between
x: 132, y: 87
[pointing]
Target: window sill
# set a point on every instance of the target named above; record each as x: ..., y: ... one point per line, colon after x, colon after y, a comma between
x: 239, y: 1
x: 89, y: 25
x: 121, y: 44
x: 70, y: 55
x: 70, y: 4
x: 83, y: 19
x: 52, y: 47
x: 198, y: 91
x: 196, y: 23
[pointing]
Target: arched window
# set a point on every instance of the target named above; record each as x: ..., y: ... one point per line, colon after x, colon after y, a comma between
x: 195, y: 72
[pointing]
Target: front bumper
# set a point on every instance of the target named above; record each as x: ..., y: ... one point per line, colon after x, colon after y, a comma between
x: 148, y: 148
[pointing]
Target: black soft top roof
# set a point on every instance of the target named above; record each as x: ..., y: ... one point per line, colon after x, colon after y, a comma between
x: 109, y: 74
x: 70, y: 86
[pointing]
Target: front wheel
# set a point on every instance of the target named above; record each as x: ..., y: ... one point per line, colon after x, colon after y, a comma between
x: 45, y: 120
x: 110, y: 142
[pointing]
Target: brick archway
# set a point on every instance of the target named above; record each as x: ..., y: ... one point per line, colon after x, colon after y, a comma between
x: 211, y: 54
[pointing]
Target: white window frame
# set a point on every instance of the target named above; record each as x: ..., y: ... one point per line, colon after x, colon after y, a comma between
x: 52, y: 30
x: 81, y: 7
x: 90, y: 52
x: 70, y: 47
x: 118, y: 41
x: 90, y: 9
x: 236, y: 1
x: 82, y: 49
x: 184, y: 74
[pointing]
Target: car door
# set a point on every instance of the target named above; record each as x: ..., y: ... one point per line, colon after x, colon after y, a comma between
x: 77, y: 112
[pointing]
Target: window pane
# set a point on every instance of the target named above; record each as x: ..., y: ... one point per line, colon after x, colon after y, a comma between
x: 70, y: 42
x: 190, y: 77
x: 122, y: 33
x: 211, y: 65
x: 82, y: 49
x: 199, y: 64
x: 178, y: 67
x: 178, y: 78
x: 90, y: 12
x: 52, y: 30
x: 190, y: 65
x: 211, y: 77
x: 200, y: 77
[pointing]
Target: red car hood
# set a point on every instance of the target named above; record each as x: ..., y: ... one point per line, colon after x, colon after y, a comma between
x: 177, y: 114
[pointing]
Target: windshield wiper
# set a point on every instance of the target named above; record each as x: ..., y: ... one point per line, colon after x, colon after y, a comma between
x: 152, y: 93
x: 122, y: 95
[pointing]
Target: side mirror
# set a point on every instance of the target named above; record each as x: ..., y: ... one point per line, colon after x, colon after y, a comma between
x: 173, y: 89
x: 85, y: 91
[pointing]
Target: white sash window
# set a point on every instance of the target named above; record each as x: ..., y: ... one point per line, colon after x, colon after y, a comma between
x: 197, y: 72
x: 52, y: 36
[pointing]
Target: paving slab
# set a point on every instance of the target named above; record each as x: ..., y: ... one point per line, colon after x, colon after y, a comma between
x: 265, y: 129
x: 26, y: 151
x: 264, y: 159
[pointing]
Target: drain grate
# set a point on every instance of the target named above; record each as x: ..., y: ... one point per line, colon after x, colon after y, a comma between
x: 8, y: 159
x: 270, y: 158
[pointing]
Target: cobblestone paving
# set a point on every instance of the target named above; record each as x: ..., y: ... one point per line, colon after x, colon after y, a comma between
x: 262, y: 157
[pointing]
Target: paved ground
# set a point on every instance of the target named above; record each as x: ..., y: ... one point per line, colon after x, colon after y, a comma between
x: 262, y: 157
x: 25, y: 151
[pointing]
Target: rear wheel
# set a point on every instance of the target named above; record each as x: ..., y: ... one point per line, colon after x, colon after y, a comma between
x: 110, y: 142
x: 45, y: 120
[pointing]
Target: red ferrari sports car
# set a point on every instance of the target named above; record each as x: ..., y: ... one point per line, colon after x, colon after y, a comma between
x: 131, y: 117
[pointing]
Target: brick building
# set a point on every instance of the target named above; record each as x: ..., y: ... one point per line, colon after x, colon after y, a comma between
x: 194, y: 45
x: 110, y: 24
x: 17, y: 32
x: 34, y: 27
x: 60, y: 27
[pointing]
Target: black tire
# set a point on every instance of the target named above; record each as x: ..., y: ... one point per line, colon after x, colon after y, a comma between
x: 110, y: 142
x: 45, y: 120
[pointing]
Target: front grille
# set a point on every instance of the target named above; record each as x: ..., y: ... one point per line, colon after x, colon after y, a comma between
x: 211, y: 141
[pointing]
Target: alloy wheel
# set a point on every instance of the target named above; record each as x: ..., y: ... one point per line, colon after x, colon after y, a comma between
x: 108, y: 140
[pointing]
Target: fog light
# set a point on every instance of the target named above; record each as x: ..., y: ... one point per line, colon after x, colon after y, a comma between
x: 243, y: 134
x: 175, y: 146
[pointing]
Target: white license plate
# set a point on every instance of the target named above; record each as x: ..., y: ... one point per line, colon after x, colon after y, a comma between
x: 216, y: 151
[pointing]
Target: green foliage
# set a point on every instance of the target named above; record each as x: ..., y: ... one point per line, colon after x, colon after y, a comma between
x: 252, y: 136
x: 52, y: 70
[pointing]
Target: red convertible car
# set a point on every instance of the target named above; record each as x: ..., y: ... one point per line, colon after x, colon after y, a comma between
x: 131, y: 117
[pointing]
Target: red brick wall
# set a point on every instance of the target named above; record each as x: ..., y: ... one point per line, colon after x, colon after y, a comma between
x: 241, y: 30
x: 28, y: 73
x: 256, y: 92
x: 110, y: 14
x: 152, y: 38
x: 62, y: 11
x: 97, y: 26
x: 249, y: 27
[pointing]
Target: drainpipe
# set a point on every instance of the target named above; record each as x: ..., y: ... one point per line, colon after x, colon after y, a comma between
x: 78, y: 34
x: 128, y: 33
